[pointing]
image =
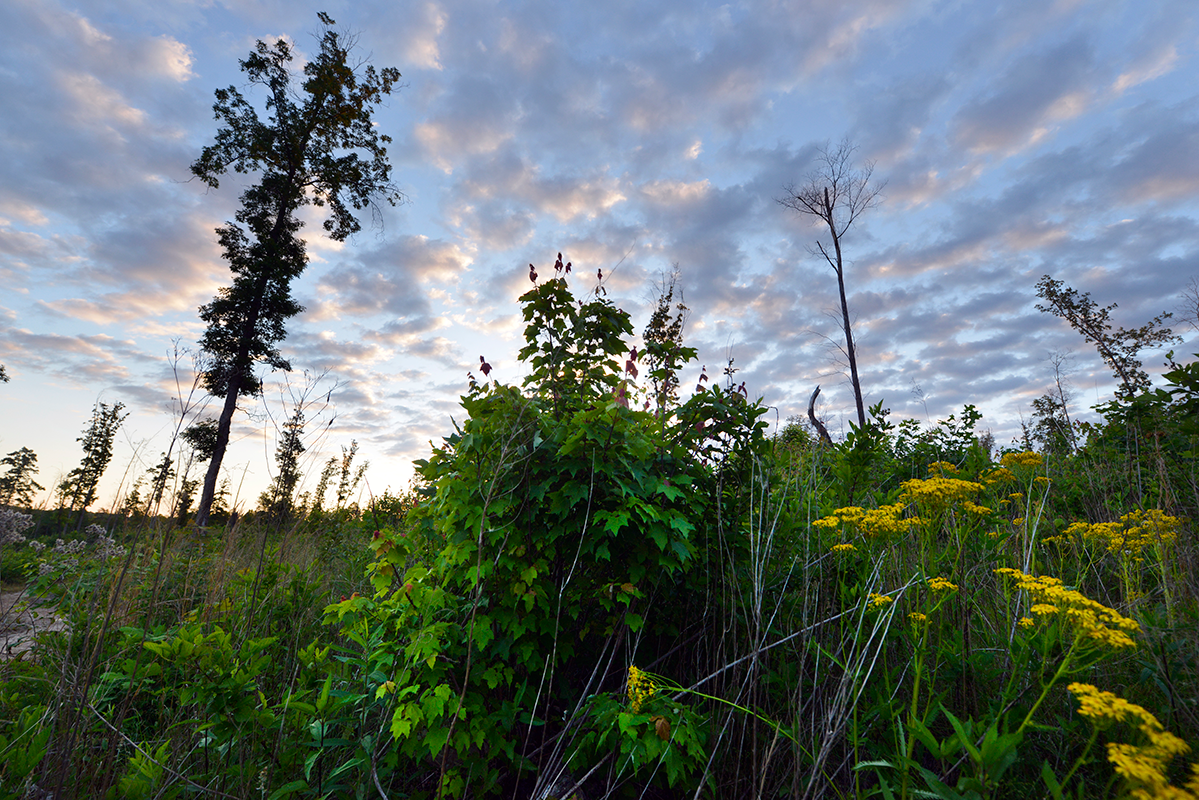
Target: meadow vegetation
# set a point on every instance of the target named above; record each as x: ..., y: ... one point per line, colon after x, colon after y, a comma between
x: 604, y: 586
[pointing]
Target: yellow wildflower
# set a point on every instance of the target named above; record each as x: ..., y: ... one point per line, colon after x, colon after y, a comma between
x: 874, y: 523
x: 1016, y: 496
x: 1018, y: 460
x: 844, y: 547
x: 997, y: 476
x: 1135, y: 532
x: 939, y: 492
x: 942, y: 467
x: 941, y: 585
x: 641, y: 687
x: 1143, y: 766
x: 1026, y: 622
x: 917, y: 618
x: 1041, y: 479
x: 1091, y: 621
x: 880, y: 600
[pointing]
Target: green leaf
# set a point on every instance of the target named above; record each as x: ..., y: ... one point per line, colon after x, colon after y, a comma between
x: 1055, y: 788
x: 436, y: 738
x: 288, y: 788
x: 925, y: 737
x: 963, y: 735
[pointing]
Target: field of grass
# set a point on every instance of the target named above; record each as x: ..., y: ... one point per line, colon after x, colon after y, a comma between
x: 597, y: 590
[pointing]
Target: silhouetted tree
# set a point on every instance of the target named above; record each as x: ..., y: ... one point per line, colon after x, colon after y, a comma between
x: 310, y: 150
x: 835, y: 195
x: 1051, y: 428
x: 78, y: 491
x: 277, y: 499
x: 160, y: 476
x: 17, y: 484
x: 1120, y: 347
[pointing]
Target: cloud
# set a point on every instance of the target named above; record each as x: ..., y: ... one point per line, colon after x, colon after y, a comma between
x: 1039, y: 89
x: 84, y: 360
x: 1164, y: 166
x: 1018, y: 140
x: 392, y: 279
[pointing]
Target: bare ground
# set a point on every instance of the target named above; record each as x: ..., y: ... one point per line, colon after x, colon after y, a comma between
x: 22, y: 618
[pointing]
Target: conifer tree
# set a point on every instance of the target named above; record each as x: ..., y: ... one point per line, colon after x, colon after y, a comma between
x: 277, y: 500
x: 78, y: 491
x: 317, y: 146
x: 17, y: 484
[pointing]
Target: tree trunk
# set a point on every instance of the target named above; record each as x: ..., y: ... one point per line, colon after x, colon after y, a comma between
x: 816, y: 423
x: 218, y: 452
x: 849, y: 347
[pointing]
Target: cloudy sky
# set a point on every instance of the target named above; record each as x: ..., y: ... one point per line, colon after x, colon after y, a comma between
x: 1015, y: 139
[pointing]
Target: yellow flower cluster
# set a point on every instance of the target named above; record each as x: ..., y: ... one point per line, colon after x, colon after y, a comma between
x: 874, y: 523
x: 1093, y: 621
x: 641, y: 688
x: 1026, y: 622
x: 1144, y: 766
x: 1134, y: 532
x: 941, y: 585
x: 997, y: 476
x: 917, y: 618
x: 844, y: 547
x: 880, y: 600
x: 939, y: 492
x: 942, y: 468
x: 1027, y: 459
x: 975, y: 509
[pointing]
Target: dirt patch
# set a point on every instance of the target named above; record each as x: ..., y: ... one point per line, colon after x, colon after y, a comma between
x: 21, y: 618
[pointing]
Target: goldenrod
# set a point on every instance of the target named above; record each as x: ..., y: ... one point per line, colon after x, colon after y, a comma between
x: 1021, y: 460
x: 941, y: 585
x: 1144, y: 766
x: 1136, y: 531
x: 1092, y: 621
x: 938, y: 492
x: 873, y: 523
x: 641, y: 688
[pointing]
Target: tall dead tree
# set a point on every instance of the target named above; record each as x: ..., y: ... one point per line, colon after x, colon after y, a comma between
x: 834, y: 195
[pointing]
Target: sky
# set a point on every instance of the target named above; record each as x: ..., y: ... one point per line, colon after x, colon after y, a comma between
x: 1010, y: 140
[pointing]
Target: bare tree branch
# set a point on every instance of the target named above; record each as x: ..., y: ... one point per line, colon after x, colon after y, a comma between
x: 835, y: 194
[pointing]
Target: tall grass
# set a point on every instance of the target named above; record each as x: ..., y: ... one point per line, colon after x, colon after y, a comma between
x: 918, y: 640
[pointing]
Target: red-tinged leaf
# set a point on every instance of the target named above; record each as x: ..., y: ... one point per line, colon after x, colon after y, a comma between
x: 662, y: 727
